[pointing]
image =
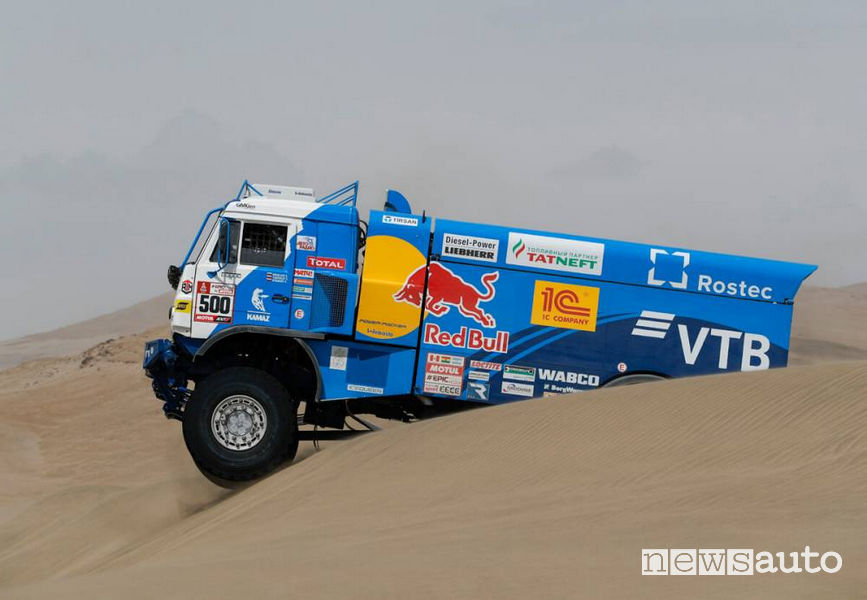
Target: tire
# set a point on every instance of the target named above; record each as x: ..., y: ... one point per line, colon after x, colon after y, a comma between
x: 634, y: 379
x: 240, y: 424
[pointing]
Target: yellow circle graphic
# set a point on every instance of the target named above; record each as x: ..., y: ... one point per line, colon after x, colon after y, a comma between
x: 388, y: 264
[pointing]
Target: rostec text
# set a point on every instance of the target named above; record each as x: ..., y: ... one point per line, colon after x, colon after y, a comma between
x: 742, y: 289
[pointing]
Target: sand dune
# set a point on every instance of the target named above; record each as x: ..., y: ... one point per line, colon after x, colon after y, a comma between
x: 75, y: 338
x: 544, y: 498
x: 830, y: 324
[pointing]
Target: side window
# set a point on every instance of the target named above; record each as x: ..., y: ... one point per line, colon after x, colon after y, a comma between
x: 219, y: 251
x: 263, y: 245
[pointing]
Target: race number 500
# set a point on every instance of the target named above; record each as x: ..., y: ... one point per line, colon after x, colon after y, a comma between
x: 214, y: 302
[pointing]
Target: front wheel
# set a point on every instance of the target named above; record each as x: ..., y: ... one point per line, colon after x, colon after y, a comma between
x: 240, y: 424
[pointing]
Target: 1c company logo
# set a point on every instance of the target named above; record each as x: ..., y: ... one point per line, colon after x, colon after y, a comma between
x: 564, y: 305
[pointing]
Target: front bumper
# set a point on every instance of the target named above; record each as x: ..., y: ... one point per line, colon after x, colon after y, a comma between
x: 166, y: 367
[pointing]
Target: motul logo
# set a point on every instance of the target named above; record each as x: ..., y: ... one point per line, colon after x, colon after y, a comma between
x: 470, y: 338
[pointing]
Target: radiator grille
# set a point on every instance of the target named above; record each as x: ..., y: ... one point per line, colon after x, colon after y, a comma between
x: 329, y: 301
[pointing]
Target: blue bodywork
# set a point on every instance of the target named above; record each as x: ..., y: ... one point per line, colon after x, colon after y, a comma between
x: 511, y: 313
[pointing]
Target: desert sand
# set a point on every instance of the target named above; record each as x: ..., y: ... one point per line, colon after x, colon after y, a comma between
x: 551, y: 497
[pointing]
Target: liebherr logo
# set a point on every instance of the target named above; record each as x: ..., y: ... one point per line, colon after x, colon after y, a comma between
x: 652, y: 279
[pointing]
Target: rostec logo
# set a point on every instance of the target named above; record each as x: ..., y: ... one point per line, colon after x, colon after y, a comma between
x: 669, y: 268
x: 565, y: 305
x: 556, y: 254
x: 651, y: 274
x: 446, y: 289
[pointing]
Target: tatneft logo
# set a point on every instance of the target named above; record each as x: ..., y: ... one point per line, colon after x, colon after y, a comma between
x: 556, y: 254
x: 669, y: 269
x: 736, y: 561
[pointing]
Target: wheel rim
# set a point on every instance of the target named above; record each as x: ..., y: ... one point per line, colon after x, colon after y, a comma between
x: 239, y: 422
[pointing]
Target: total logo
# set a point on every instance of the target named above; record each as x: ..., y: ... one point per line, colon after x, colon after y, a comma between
x: 261, y: 314
x: 446, y: 289
x: 754, y: 348
x: 677, y: 261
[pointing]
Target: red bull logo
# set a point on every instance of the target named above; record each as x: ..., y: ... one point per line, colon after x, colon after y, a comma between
x: 469, y: 338
x: 446, y: 289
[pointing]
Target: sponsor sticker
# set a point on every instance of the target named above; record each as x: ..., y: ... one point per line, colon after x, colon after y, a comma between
x: 469, y: 338
x: 398, y: 220
x: 303, y: 281
x: 565, y: 305
x: 183, y: 306
x: 323, y: 262
x: 481, y: 364
x: 621, y: 367
x: 187, y: 286
x: 338, y: 357
x: 567, y: 377
x: 302, y: 289
x: 445, y: 359
x: 479, y: 375
x: 443, y: 370
x: 304, y: 273
x: 446, y: 289
x: 442, y: 388
x: 519, y: 373
x: 259, y: 313
x: 276, y: 277
x: 517, y: 389
x: 305, y: 242
x: 366, y: 389
x: 477, y: 390
x: 299, y: 313
x: 474, y: 248
x: 555, y: 254
x: 214, y: 302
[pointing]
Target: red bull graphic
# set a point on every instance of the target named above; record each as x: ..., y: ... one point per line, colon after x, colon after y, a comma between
x: 446, y: 289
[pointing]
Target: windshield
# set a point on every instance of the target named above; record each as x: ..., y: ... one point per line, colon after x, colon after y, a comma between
x: 204, y: 236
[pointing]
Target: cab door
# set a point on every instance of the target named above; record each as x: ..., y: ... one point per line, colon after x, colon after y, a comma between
x: 263, y: 273
x: 213, y: 302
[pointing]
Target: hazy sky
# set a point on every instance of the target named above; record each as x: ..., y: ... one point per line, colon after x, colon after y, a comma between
x: 734, y: 126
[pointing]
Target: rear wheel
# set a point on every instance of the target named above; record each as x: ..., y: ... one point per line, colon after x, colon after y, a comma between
x: 240, y: 424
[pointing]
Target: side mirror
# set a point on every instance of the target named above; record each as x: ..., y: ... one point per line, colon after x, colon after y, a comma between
x: 174, y: 276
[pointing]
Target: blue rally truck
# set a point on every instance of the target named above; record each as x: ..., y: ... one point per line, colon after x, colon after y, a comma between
x: 284, y: 298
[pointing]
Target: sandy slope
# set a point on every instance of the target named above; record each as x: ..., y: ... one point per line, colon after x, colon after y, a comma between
x: 829, y: 324
x: 552, y: 497
x: 80, y: 336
